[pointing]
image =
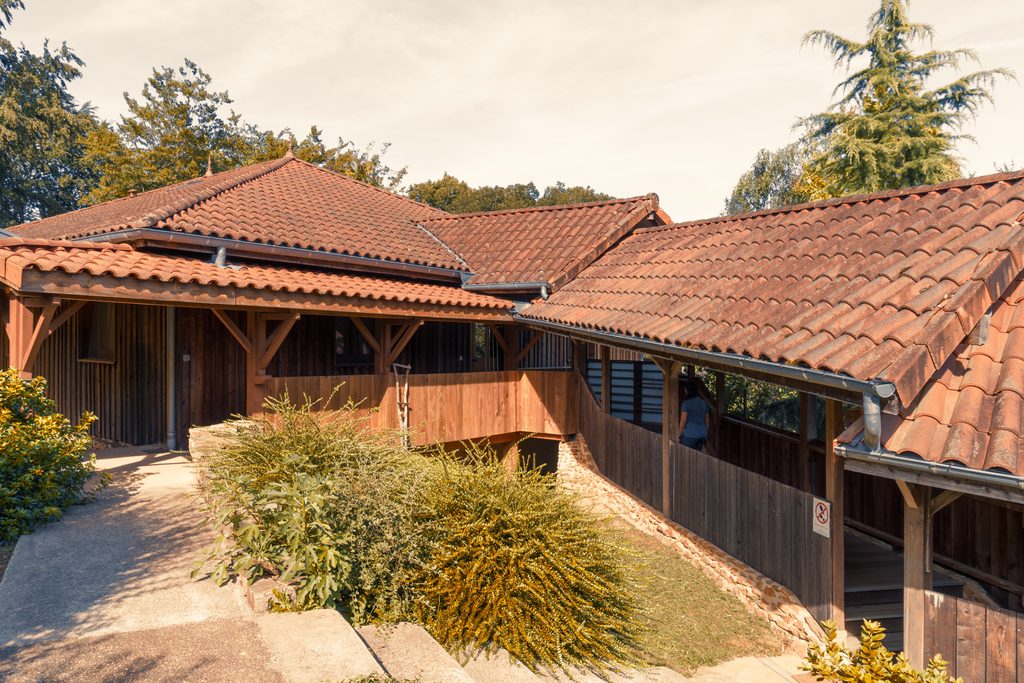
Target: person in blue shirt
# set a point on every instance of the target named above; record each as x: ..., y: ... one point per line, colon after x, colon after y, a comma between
x: 693, y: 418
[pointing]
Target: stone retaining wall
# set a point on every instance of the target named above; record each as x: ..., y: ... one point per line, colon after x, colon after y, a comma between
x: 765, y: 598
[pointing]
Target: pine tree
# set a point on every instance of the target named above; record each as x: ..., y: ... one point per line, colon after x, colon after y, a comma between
x: 890, y: 128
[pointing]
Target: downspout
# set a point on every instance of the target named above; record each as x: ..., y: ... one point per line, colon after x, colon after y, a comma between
x: 171, y: 398
x: 872, y: 421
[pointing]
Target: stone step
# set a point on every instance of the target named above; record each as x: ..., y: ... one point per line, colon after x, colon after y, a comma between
x: 309, y: 647
x: 408, y: 652
x: 499, y: 666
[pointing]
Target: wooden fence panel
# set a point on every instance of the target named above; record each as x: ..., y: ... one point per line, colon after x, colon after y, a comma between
x: 982, y: 644
x: 762, y: 522
x: 450, y: 407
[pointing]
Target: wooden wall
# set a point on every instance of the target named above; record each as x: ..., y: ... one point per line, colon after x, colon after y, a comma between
x: 451, y: 407
x: 761, y: 522
x: 981, y: 644
x: 128, y: 394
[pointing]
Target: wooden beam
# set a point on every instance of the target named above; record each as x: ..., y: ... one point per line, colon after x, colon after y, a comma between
x: 720, y: 404
x: 254, y: 377
x: 804, y: 449
x: 834, y: 482
x: 39, y: 332
x: 669, y: 427
x: 944, y: 499
x: 66, y: 315
x: 19, y: 332
x: 402, y: 340
x: 535, y: 338
x: 579, y: 358
x: 917, y: 576
x: 512, y: 341
x: 235, y: 331
x: 606, y: 378
x: 910, y: 494
x: 384, y: 336
x: 499, y: 336
x: 276, y: 339
x: 371, y: 340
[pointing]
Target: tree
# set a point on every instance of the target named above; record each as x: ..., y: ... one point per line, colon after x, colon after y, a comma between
x: 776, y: 179
x: 177, y: 127
x: 450, y: 194
x: 889, y: 128
x: 42, y: 167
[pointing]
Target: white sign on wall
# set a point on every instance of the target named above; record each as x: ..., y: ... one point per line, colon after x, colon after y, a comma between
x: 822, y: 517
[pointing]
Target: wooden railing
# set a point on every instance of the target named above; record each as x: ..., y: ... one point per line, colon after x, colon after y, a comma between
x: 982, y: 644
x: 761, y: 522
x: 450, y: 407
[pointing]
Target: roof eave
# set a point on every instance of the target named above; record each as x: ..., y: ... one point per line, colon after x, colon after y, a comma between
x: 160, y: 237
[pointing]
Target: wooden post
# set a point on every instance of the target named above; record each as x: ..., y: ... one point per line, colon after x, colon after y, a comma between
x: 606, y: 378
x: 719, y: 410
x: 27, y: 330
x: 259, y: 349
x: 579, y: 358
x: 917, y: 575
x: 669, y: 427
x: 510, y: 353
x: 834, y: 493
x: 804, y: 451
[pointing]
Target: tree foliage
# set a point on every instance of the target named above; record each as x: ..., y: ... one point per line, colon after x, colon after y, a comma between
x: 890, y: 127
x: 42, y: 165
x: 776, y: 179
x: 450, y: 194
x: 178, y: 126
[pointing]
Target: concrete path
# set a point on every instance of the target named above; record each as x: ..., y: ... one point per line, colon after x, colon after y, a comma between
x: 105, y: 595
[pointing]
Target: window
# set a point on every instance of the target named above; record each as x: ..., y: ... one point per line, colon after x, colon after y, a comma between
x: 96, y: 333
x: 351, y: 351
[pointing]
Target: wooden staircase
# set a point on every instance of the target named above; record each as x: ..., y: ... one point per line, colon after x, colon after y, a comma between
x: 874, y: 586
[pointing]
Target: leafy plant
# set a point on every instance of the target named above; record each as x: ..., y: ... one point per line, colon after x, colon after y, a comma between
x: 322, y: 502
x: 870, y: 662
x: 44, y: 459
x: 519, y: 565
x: 482, y: 557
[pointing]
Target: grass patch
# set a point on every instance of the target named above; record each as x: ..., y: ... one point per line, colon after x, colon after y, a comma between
x: 691, y: 623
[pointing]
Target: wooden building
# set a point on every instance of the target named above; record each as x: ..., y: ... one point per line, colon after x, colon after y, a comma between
x: 897, y: 313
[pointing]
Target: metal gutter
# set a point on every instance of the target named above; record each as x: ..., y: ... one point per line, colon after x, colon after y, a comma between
x: 876, y: 387
x: 943, y: 469
x: 506, y: 286
x: 258, y: 250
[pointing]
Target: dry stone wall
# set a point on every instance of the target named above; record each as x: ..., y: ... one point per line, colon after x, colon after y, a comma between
x: 764, y: 597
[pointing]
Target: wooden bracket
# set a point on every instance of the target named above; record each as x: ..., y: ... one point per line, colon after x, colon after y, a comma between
x: 911, y: 494
x: 276, y: 339
x: 368, y: 335
x: 235, y: 331
x: 944, y: 499
x: 26, y: 330
x: 401, y: 340
x: 535, y: 338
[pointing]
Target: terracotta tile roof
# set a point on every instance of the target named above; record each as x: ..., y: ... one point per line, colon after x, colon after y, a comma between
x: 18, y: 255
x: 548, y: 244
x: 876, y: 286
x: 971, y: 412
x: 281, y: 202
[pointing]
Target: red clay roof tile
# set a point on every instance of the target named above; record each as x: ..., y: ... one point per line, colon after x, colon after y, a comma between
x: 885, y: 285
x: 284, y: 202
x: 548, y: 244
x: 122, y: 261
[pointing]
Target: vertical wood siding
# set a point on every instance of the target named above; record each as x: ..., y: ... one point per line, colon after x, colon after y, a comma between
x: 981, y: 644
x: 129, y: 394
x: 762, y: 522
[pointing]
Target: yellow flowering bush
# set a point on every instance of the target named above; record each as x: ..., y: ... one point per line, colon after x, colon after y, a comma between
x: 44, y: 459
x: 871, y: 662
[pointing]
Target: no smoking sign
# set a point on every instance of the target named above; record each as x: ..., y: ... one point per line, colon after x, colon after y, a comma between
x: 822, y: 517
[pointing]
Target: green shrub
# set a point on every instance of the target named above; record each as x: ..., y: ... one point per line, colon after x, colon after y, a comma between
x: 482, y: 557
x: 44, y: 459
x: 325, y: 503
x: 870, y: 662
x: 519, y: 565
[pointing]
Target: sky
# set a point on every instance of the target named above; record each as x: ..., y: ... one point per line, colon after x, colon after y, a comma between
x: 629, y: 97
